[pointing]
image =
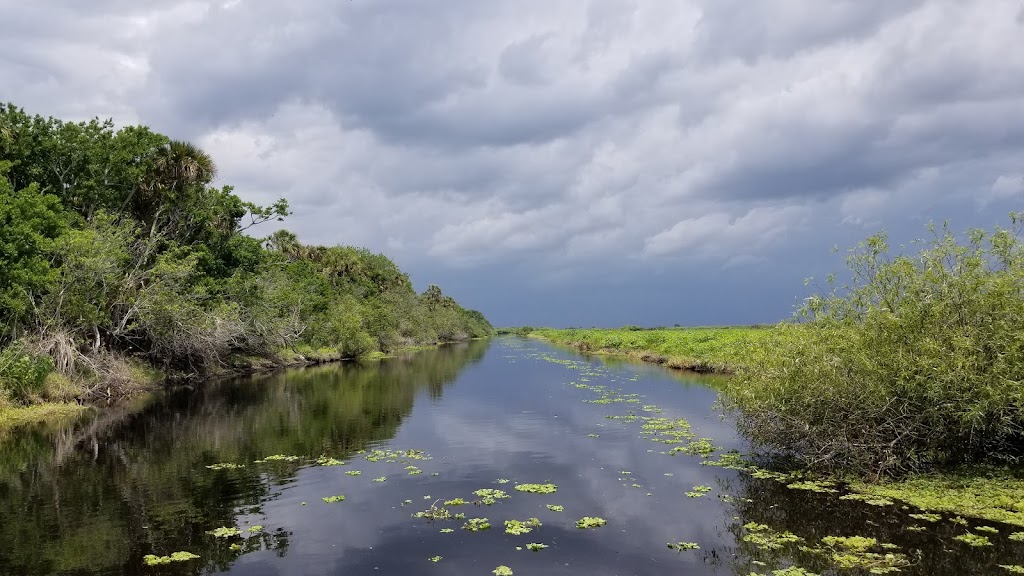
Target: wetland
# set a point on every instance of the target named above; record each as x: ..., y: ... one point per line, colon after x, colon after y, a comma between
x: 507, y: 455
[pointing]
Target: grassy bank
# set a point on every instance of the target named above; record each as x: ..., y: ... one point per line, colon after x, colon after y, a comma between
x: 12, y: 416
x: 702, y: 349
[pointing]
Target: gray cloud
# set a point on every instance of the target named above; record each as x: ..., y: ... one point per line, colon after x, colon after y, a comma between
x: 572, y: 145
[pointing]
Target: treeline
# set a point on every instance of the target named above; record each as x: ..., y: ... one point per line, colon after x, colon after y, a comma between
x: 118, y: 256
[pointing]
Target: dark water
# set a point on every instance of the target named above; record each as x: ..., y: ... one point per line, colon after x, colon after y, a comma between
x: 97, y: 498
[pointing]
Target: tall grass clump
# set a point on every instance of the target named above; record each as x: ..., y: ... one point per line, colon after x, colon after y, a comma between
x: 917, y: 364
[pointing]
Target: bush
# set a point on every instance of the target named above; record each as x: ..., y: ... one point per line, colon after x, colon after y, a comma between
x: 917, y: 364
x: 22, y: 375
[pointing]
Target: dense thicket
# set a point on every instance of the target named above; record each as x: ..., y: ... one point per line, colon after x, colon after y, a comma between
x: 918, y: 363
x: 115, y: 245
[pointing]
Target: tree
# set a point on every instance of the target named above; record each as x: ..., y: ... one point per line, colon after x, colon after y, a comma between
x: 29, y: 224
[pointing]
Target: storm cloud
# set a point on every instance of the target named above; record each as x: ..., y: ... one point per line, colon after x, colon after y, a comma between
x: 567, y: 162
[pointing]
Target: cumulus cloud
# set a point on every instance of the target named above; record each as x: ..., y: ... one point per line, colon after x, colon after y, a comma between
x: 607, y: 137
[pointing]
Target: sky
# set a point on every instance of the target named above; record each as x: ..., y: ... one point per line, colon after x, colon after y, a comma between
x: 567, y: 162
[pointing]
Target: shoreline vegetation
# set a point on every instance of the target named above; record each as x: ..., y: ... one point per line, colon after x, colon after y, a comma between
x: 705, y: 349
x: 905, y: 382
x: 122, y: 266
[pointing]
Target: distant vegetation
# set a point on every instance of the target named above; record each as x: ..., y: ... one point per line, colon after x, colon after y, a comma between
x: 117, y: 256
x: 918, y: 363
x: 702, y: 349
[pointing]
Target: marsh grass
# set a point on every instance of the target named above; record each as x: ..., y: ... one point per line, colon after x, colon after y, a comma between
x: 702, y: 349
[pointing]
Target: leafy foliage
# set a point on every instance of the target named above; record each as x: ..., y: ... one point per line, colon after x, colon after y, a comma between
x: 915, y: 364
x: 113, y: 241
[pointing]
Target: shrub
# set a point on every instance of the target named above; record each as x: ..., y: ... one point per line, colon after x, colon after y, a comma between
x: 22, y: 375
x: 918, y: 363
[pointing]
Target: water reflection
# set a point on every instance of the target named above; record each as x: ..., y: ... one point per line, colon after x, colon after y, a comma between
x: 97, y: 499
x: 491, y: 414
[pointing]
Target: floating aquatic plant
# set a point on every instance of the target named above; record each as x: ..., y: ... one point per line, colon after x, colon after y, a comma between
x: 593, y: 435
x: 927, y: 517
x: 333, y: 499
x: 698, y: 491
x: 849, y: 552
x: 224, y: 532
x: 987, y: 529
x: 766, y: 538
x: 973, y: 539
x: 223, y: 466
x: 454, y: 502
x: 537, y: 488
x: 536, y: 547
x: 868, y: 499
x: 813, y: 486
x: 1017, y: 536
x: 517, y: 527
x: 502, y: 481
x: 381, y: 479
x: 476, y: 524
x: 502, y: 571
x: 435, y: 559
x: 1012, y: 568
x: 353, y: 472
x: 680, y: 546
x: 255, y: 528
x: 556, y: 508
x: 153, y: 560
x: 590, y: 522
x: 327, y: 461
x: 489, y: 496
x: 277, y: 458
x: 447, y: 530
x: 794, y: 571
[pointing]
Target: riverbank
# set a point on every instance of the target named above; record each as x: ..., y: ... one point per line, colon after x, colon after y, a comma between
x: 63, y: 404
x: 700, y: 349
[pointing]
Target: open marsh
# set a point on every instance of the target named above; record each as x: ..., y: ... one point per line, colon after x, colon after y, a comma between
x: 501, y: 456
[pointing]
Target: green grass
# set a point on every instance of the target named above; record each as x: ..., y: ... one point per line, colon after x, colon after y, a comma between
x: 11, y: 416
x: 704, y: 349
